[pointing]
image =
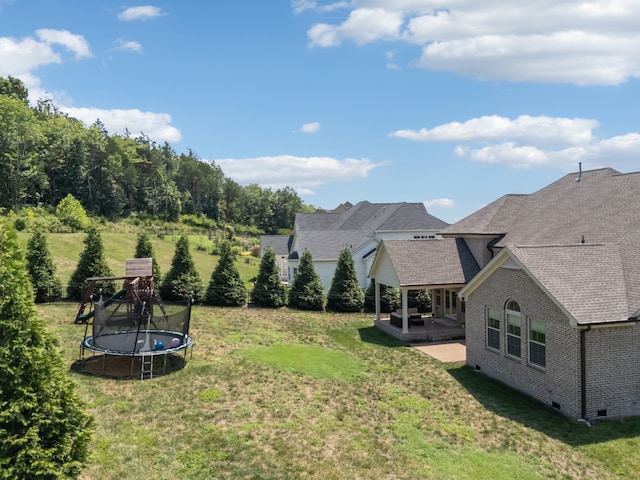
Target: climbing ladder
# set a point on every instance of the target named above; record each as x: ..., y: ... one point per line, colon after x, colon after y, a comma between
x: 146, y: 369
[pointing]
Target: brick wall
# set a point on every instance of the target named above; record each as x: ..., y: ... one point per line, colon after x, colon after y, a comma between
x: 613, y: 354
x: 613, y: 379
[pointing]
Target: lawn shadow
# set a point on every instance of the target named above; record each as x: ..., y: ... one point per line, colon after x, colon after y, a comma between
x: 127, y: 367
x: 376, y: 336
x: 506, y: 402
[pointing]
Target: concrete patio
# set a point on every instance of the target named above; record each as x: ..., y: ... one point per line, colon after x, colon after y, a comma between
x: 430, y: 329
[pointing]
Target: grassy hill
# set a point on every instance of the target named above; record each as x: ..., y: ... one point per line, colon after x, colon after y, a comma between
x: 120, y: 243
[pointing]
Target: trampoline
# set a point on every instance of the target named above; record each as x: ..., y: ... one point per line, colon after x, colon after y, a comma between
x: 142, y: 328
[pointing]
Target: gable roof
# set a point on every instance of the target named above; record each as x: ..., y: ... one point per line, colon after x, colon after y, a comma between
x: 279, y: 243
x: 599, y: 206
x: 325, y: 234
x: 585, y: 281
x: 600, y: 209
x: 445, y: 261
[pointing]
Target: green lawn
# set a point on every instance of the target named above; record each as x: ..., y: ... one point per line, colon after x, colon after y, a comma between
x: 287, y: 395
x: 120, y: 245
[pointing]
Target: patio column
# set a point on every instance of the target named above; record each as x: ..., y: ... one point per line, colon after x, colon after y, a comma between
x: 405, y: 313
x: 377, y: 294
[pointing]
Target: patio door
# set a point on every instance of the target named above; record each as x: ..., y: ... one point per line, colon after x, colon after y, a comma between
x: 450, y: 304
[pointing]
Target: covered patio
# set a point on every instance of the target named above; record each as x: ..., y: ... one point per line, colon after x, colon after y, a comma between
x: 443, y: 266
x: 430, y: 329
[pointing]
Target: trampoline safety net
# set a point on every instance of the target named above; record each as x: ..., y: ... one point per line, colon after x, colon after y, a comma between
x: 131, y: 327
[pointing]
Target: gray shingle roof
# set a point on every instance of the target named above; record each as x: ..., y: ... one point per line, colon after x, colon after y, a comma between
x: 603, y: 208
x: 494, y: 219
x: 587, y: 280
x: 325, y: 234
x: 446, y: 261
x: 279, y: 243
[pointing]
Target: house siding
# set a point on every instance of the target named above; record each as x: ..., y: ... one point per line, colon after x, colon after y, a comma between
x: 385, y: 273
x: 479, y: 250
x: 326, y: 271
x: 560, y: 381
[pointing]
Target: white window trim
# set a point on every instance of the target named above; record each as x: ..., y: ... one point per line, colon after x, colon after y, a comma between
x: 531, y: 340
x: 487, y: 318
x: 518, y: 314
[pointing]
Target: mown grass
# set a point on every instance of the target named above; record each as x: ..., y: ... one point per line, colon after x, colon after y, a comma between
x: 120, y: 245
x: 286, y: 395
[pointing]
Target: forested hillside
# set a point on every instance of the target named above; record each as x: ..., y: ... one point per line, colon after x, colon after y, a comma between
x: 46, y: 155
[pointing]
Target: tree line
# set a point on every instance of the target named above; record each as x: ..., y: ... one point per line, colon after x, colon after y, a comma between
x: 45, y: 155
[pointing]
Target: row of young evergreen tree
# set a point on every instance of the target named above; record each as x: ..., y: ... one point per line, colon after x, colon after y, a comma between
x: 225, y: 288
x: 46, y: 154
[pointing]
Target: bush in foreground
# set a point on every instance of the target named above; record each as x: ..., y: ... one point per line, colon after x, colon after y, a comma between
x: 45, y: 432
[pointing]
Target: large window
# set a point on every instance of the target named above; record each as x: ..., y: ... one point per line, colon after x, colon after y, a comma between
x: 537, y: 343
x: 493, y: 328
x: 514, y: 326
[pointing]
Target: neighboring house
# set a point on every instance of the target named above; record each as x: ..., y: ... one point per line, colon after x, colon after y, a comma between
x: 554, y: 311
x: 280, y: 246
x: 359, y: 227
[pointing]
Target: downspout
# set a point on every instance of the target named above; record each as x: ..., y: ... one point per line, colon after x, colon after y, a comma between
x: 583, y: 374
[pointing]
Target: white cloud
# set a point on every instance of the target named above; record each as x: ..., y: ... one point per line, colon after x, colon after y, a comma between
x: 313, y: 127
x: 129, y: 45
x: 391, y: 65
x: 533, y: 142
x: 620, y: 152
x: 75, y: 43
x: 439, y: 203
x: 19, y: 57
x: 300, y: 6
x: 526, y: 128
x: 363, y: 26
x: 140, y: 13
x: 156, y: 126
x: 574, y: 41
x: 299, y: 173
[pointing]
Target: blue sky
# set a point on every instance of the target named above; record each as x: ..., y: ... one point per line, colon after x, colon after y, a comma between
x: 452, y: 103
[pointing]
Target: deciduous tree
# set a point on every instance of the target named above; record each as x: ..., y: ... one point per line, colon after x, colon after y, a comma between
x: 72, y: 214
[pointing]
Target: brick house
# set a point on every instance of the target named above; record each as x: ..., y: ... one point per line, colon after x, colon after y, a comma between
x: 554, y: 310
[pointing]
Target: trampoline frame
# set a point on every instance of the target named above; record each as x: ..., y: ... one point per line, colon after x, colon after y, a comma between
x: 187, y: 342
x: 147, y: 355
